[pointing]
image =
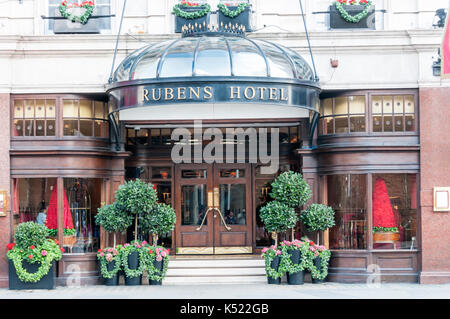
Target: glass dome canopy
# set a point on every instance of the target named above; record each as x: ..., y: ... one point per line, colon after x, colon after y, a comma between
x: 213, y: 56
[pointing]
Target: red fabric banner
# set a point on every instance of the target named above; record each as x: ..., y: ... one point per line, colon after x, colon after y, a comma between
x: 445, y: 51
x: 51, y: 221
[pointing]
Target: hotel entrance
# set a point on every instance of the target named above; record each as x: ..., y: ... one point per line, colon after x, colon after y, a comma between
x: 213, y: 206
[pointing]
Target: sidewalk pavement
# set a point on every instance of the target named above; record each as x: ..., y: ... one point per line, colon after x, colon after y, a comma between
x: 233, y: 291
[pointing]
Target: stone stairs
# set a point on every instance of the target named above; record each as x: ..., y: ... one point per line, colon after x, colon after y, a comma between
x: 215, y: 270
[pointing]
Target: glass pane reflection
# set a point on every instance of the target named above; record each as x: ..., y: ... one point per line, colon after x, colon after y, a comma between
x: 193, y: 204
x: 213, y: 58
x: 232, y: 203
x: 247, y: 60
x: 179, y: 58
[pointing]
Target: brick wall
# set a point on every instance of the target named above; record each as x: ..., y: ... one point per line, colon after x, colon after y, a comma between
x: 434, y: 172
x: 4, y: 184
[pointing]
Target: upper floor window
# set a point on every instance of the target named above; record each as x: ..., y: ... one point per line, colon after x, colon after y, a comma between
x: 33, y: 117
x: 393, y: 113
x: 102, y: 8
x: 85, y: 118
x: 346, y: 114
x: 370, y: 113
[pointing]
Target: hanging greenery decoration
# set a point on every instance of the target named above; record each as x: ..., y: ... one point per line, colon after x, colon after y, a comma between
x: 356, y: 18
x: 179, y: 12
x: 232, y: 13
x: 65, y: 8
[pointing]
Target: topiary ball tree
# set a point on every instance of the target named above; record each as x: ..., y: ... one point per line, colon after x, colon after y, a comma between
x: 136, y: 198
x: 317, y: 217
x: 291, y: 189
x: 30, y: 234
x: 159, y: 221
x: 278, y: 217
x: 113, y: 220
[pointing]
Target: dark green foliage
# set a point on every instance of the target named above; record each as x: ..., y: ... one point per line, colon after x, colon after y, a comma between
x: 160, y: 220
x: 136, y: 197
x: 318, y: 217
x: 30, y: 234
x: 113, y: 219
x: 291, y: 189
x: 278, y: 217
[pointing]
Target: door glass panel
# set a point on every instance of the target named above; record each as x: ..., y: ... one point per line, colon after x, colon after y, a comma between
x: 161, y: 172
x: 193, y: 173
x: 193, y: 204
x: 232, y: 173
x: 232, y: 203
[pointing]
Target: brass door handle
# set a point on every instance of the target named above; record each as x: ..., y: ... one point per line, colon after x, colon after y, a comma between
x: 223, y: 219
x: 204, y: 218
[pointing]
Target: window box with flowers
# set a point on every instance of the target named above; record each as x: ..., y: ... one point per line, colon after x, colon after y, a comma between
x: 351, y: 14
x: 77, y: 18
x: 32, y: 258
x: 187, y: 12
x: 235, y: 12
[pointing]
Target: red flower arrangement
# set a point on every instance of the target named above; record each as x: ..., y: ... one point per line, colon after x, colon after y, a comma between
x: 10, y: 246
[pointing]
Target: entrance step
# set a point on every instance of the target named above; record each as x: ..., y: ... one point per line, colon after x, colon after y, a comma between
x: 214, y: 270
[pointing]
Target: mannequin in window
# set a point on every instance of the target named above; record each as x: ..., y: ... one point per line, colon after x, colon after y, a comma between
x: 42, y: 216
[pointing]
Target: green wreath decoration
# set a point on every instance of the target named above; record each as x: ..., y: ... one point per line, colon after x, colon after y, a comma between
x: 156, y: 274
x: 177, y: 10
x: 287, y: 264
x: 83, y: 19
x: 356, y: 18
x: 269, y: 256
x: 17, y: 255
x: 132, y: 273
x: 103, y: 264
x: 322, y: 273
x: 232, y: 13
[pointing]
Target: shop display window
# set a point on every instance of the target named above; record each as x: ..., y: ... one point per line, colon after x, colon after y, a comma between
x: 341, y: 115
x: 393, y: 113
x: 85, y: 118
x: 394, y: 205
x: 347, y: 196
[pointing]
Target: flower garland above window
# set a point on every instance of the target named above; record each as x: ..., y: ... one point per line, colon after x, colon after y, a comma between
x: 339, y: 4
x: 232, y: 13
x: 64, y: 9
x: 179, y: 12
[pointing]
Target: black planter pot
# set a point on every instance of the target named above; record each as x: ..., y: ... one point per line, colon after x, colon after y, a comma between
x: 297, y: 278
x: 317, y: 262
x: 337, y: 22
x: 133, y: 263
x: 158, y: 265
x: 242, y: 19
x: 114, y: 281
x: 180, y: 22
x: 275, y: 264
x: 47, y: 282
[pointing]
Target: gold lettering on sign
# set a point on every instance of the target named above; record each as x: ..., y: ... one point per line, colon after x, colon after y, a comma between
x: 261, y: 92
x: 192, y: 91
x: 168, y: 94
x: 208, y: 92
x: 253, y: 93
x: 146, y: 95
x: 235, y: 91
x: 273, y: 94
x: 181, y: 93
x: 154, y: 96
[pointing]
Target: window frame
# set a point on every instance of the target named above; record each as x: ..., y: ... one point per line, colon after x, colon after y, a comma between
x: 369, y: 115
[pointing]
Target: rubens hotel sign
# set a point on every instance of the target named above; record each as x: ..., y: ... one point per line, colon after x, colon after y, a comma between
x: 159, y: 93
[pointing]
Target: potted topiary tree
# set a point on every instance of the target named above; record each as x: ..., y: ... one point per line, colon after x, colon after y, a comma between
x: 319, y: 267
x: 384, y: 226
x: 113, y: 220
x: 161, y: 220
x: 277, y: 217
x: 135, y: 198
x: 293, y: 191
x: 317, y: 217
x: 32, y: 258
x: 294, y: 260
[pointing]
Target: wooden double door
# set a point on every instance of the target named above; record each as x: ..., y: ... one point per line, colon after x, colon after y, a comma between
x: 213, y: 207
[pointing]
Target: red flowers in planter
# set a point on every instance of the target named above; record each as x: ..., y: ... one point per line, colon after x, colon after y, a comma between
x: 353, y: 2
x: 32, y: 247
x: 189, y: 4
x: 10, y: 246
